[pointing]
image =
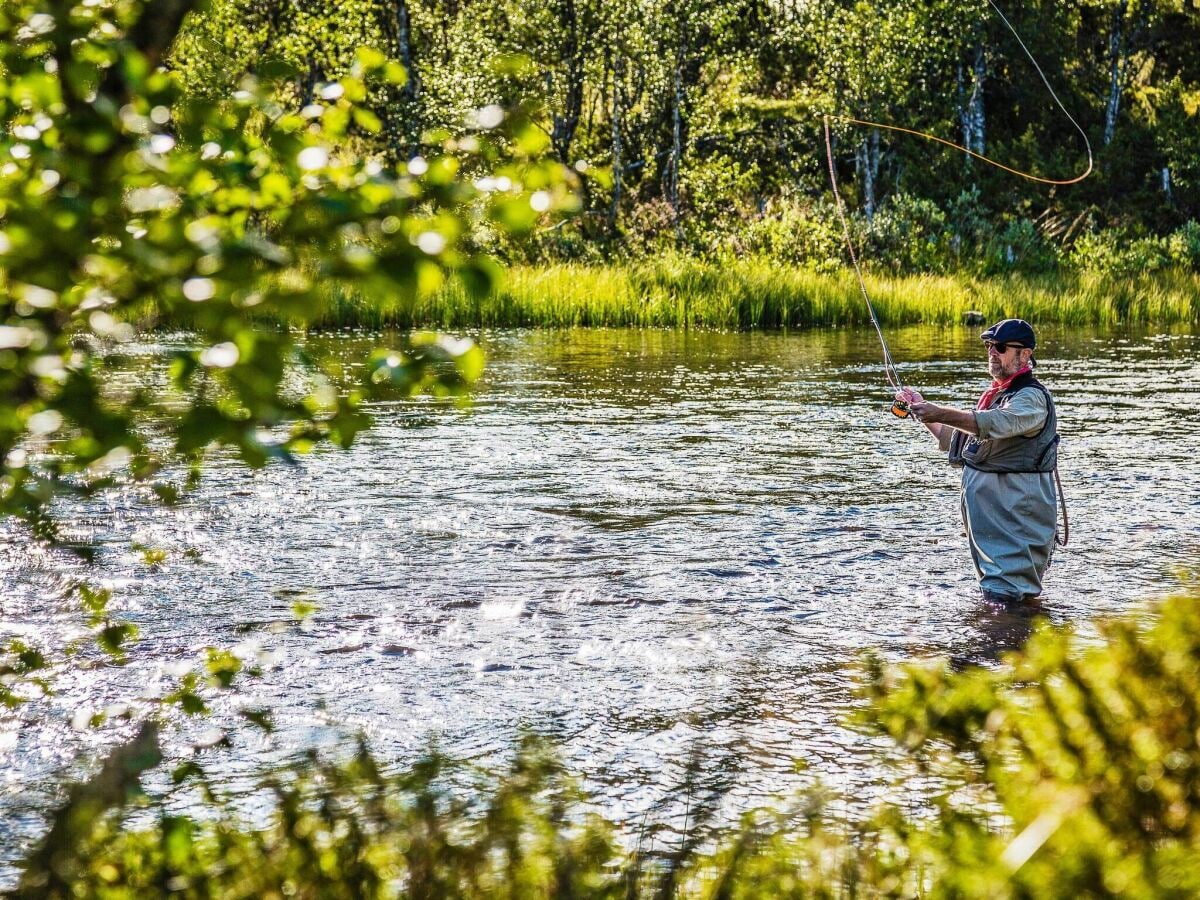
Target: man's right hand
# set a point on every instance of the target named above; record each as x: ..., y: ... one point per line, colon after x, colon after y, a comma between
x: 908, y: 395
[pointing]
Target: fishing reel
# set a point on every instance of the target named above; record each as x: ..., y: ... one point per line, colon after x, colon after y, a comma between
x: 901, y: 409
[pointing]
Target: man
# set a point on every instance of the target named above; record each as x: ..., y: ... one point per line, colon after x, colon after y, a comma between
x: 1007, y: 448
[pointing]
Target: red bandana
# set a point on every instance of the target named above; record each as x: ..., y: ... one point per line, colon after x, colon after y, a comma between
x: 997, y: 386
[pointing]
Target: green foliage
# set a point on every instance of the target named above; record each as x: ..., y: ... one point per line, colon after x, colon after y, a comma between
x: 130, y: 198
x: 1093, y: 754
x: 249, y: 196
x: 302, y: 609
x: 719, y: 190
x: 188, y: 697
x: 798, y: 234
x: 1109, y: 252
x: 129, y: 201
x: 1021, y: 246
x: 910, y: 234
x: 1183, y: 246
x: 343, y: 830
x: 699, y: 122
x: 111, y: 637
x: 57, y: 868
x: 223, y: 667
x: 1072, y: 770
x: 20, y: 665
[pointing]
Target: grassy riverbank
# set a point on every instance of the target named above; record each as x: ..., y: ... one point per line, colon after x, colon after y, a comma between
x: 679, y: 293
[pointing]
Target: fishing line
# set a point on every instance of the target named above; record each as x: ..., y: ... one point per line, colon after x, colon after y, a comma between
x: 900, y: 408
x: 1029, y: 176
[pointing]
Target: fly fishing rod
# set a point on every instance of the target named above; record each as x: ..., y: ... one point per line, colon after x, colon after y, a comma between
x: 900, y: 408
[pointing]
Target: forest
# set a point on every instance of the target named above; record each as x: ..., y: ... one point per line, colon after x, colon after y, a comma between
x: 695, y: 127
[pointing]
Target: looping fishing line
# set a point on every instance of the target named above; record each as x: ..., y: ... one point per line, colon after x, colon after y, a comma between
x: 889, y: 366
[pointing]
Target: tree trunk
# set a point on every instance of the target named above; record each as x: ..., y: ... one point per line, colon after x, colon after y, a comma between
x: 970, y: 107
x: 975, y: 107
x: 964, y: 120
x: 397, y: 24
x: 676, y: 148
x: 1118, y: 60
x: 306, y: 85
x: 412, y: 87
x: 564, y: 125
x: 618, y: 75
x: 156, y: 28
x: 866, y: 160
x: 152, y: 34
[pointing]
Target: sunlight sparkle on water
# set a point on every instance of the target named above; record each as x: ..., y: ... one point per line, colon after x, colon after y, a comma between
x: 312, y: 158
x: 220, y: 356
x: 653, y: 545
x: 431, y: 242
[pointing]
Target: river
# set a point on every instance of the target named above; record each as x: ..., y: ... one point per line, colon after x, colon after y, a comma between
x: 656, y: 545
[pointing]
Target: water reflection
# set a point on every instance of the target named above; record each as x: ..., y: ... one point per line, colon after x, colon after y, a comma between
x: 1001, y: 628
x: 652, y: 544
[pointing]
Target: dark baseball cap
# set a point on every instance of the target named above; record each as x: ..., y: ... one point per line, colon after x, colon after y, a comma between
x: 1014, y: 331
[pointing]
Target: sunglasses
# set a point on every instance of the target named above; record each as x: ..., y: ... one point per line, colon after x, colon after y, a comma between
x: 1001, y: 348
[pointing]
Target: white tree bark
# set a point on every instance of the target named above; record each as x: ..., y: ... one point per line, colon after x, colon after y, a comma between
x: 866, y: 162
x: 971, y: 113
x: 1118, y: 56
x: 618, y: 75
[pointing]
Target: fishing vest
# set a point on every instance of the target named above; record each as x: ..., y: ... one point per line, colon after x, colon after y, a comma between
x: 1015, y: 454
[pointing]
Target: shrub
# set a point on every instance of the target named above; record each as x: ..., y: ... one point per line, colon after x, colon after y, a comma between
x: 1183, y: 245
x: 910, y: 234
x: 719, y: 188
x: 1109, y: 253
x: 649, y: 228
x: 1020, y: 246
x: 972, y: 229
x: 798, y: 233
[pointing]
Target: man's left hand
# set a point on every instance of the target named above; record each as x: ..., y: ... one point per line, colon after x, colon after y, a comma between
x: 926, y: 411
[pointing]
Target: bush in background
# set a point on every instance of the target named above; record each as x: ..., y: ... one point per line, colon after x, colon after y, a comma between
x: 799, y: 233
x: 909, y: 234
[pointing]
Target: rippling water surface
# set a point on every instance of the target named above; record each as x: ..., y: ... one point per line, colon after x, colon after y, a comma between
x: 654, y: 545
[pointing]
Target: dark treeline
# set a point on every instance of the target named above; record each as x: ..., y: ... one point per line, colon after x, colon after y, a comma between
x: 698, y: 121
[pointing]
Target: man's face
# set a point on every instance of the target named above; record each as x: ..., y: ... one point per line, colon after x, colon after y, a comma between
x: 1005, y: 360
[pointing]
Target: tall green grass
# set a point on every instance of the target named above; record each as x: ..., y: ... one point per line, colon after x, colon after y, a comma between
x: 681, y: 293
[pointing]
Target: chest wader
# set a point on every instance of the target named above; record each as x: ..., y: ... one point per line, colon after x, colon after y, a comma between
x: 1036, y: 454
